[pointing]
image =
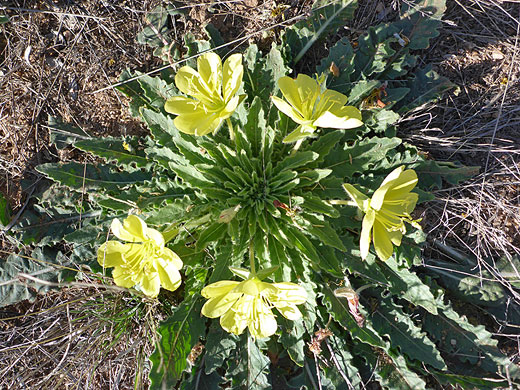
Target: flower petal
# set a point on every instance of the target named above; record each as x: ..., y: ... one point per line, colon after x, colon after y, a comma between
x: 123, y: 277
x: 290, y: 92
x: 232, y: 76
x: 379, y: 195
x: 156, y: 236
x: 402, y: 185
x: 233, y: 322
x: 338, y: 120
x: 291, y: 312
x: 290, y: 292
x: 169, y: 275
x: 356, y: 195
x: 191, y: 83
x: 382, y: 242
x: 132, y: 230
x: 110, y: 254
x: 209, y: 66
x: 219, y: 288
x: 179, y: 105
x: 330, y: 100
x: 265, y: 323
x: 220, y: 305
x: 288, y: 110
x: 308, y: 91
x: 365, y: 238
x: 134, y: 256
x: 198, y: 123
x: 171, y: 257
x: 151, y: 284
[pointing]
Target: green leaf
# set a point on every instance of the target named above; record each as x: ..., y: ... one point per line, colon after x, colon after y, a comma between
x: 4, y: 19
x: 407, y: 285
x: 462, y: 341
x: 248, y: 365
x: 431, y: 173
x: 255, y: 127
x: 90, y: 177
x: 338, y: 308
x: 212, y: 233
x: 113, y: 149
x: 219, y: 346
x: 179, y: 334
x: 293, y: 161
x: 64, y: 134
x: 200, y: 380
x: 316, y: 205
x: 5, y: 214
x: 405, y: 335
x: 420, y: 21
x: 342, y: 55
x: 396, y: 375
x: 426, y: 86
x: 292, y: 339
x: 43, y: 264
x: 346, y: 160
x: 325, y: 17
x: 155, y: 32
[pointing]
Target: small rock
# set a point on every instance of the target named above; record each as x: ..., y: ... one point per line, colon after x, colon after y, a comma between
x: 497, y: 55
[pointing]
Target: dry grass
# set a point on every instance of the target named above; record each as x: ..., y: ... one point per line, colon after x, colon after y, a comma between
x: 62, y: 59
x: 77, y: 339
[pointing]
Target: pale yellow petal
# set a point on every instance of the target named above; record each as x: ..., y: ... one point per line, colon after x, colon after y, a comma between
x: 198, y: 123
x: 151, y: 284
x: 233, y: 322
x: 379, y: 195
x: 291, y: 312
x: 191, y: 83
x: 132, y: 230
x: 382, y: 242
x: 354, y: 194
x: 134, y: 256
x: 169, y: 275
x: 110, y: 254
x: 171, y: 257
x: 290, y: 92
x: 330, y: 100
x: 396, y: 237
x: 330, y: 120
x: 156, y: 237
x: 288, y: 110
x: 232, y: 76
x: 308, y: 90
x: 366, y: 229
x: 179, y: 105
x: 219, y: 288
x: 123, y: 277
x: 289, y: 292
x: 209, y: 66
x: 401, y: 186
x: 265, y: 324
x: 216, y: 307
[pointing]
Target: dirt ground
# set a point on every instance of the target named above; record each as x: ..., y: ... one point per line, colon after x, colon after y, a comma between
x: 56, y: 56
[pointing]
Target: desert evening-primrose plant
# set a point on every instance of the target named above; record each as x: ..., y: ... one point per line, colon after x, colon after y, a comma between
x: 273, y: 213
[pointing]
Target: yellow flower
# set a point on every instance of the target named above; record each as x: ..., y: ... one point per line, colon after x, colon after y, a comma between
x: 214, y: 90
x: 249, y: 304
x: 143, y: 260
x: 386, y: 212
x: 308, y: 106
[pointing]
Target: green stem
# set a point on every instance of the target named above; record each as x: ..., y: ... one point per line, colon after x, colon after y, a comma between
x: 231, y: 131
x: 252, y: 258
